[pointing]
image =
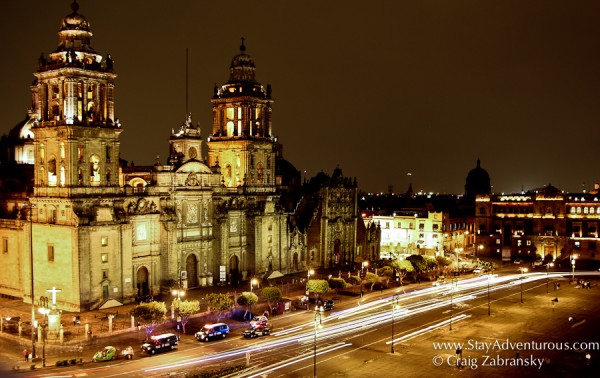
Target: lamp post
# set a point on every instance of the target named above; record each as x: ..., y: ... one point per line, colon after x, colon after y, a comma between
x: 523, y: 270
x: 317, y: 325
x: 178, y: 293
x: 365, y: 264
x: 573, y: 258
x: 44, y: 310
x: 252, y: 283
x: 451, y: 300
x: 395, y: 299
x: 548, y: 266
x: 30, y: 206
x: 488, y: 291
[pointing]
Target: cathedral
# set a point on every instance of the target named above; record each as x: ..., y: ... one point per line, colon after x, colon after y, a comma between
x: 75, y: 216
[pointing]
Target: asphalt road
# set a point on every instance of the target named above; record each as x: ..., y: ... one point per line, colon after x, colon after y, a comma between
x: 355, y: 338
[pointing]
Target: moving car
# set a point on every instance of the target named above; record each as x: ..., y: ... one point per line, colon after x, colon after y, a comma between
x: 211, y: 331
x: 478, y: 270
x: 166, y: 341
x: 253, y: 332
x: 325, y: 306
x: 109, y: 353
x: 440, y: 281
x: 259, y: 320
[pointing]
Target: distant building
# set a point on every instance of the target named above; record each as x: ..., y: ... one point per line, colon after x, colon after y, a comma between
x: 544, y: 223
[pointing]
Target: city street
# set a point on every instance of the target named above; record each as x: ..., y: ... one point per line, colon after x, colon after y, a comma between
x: 358, y: 332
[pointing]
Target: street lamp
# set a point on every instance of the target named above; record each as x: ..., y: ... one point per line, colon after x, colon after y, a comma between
x: 488, y: 291
x: 30, y: 206
x: 573, y: 267
x: 523, y: 270
x: 395, y: 299
x: 365, y: 264
x: 317, y: 325
x: 178, y: 293
x: 548, y: 266
x: 253, y: 282
x: 44, y: 310
x: 451, y: 300
x: 457, y: 250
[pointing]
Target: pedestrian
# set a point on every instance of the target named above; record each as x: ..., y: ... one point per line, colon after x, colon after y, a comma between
x: 458, y: 357
x: 26, y: 354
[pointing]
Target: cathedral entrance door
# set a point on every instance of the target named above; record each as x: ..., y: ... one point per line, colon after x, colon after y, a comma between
x: 295, y: 262
x: 234, y: 270
x: 191, y: 266
x: 142, y: 281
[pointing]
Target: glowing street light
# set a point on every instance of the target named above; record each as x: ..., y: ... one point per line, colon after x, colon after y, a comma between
x: 365, y: 265
x: 523, y: 270
x: 44, y: 310
x: 395, y: 299
x: 178, y: 293
x: 317, y: 326
x: 548, y: 266
x: 253, y: 282
x: 573, y: 258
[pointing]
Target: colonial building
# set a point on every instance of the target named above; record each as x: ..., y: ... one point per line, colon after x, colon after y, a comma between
x: 545, y: 223
x: 106, y: 232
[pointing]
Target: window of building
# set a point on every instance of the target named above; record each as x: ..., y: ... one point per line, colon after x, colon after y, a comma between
x: 579, y: 210
x: 592, y: 210
x: 519, y: 243
x: 497, y: 241
x: 528, y: 242
x: 4, y: 245
x: 50, y: 252
x: 104, y: 241
x: 421, y: 226
x: 577, y: 244
x: 435, y: 227
x: 105, y: 274
x: 585, y: 210
x: 104, y: 257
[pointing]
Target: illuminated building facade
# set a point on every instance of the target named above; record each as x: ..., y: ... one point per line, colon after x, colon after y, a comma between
x: 106, y: 232
x: 545, y: 223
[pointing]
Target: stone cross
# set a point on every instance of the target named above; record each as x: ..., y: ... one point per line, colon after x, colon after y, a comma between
x: 54, y: 290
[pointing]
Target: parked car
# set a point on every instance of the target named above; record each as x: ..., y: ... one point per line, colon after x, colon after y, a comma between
x: 166, y: 341
x: 212, y: 331
x: 325, y: 306
x: 478, y: 270
x: 253, y: 332
x: 538, y: 263
x: 518, y: 261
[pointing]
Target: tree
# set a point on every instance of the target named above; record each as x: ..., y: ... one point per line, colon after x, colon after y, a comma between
x: 354, y: 280
x: 387, y: 272
x: 151, y: 315
x: 403, y: 267
x: 317, y: 287
x: 371, y: 278
x: 271, y: 294
x: 187, y: 309
x: 418, y: 263
x: 431, y: 262
x: 336, y: 283
x: 219, y: 303
x: 247, y: 299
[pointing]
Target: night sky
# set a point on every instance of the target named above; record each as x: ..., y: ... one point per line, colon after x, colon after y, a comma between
x: 392, y: 92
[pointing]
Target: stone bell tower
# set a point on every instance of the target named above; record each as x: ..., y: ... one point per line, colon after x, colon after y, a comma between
x: 76, y: 132
x: 242, y: 143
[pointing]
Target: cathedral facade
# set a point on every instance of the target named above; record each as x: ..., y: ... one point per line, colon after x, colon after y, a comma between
x: 106, y: 233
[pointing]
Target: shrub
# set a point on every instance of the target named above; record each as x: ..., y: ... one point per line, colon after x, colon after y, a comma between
x: 73, y: 361
x: 32, y: 367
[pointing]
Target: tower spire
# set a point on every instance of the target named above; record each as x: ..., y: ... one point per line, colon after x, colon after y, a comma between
x: 242, y: 47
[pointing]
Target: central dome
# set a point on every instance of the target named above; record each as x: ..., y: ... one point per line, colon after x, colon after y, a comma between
x: 242, y: 68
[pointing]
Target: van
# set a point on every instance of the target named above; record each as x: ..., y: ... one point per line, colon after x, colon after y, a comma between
x: 166, y: 341
x: 212, y: 331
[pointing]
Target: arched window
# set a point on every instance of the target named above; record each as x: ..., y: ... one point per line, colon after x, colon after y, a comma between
x: 94, y: 170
